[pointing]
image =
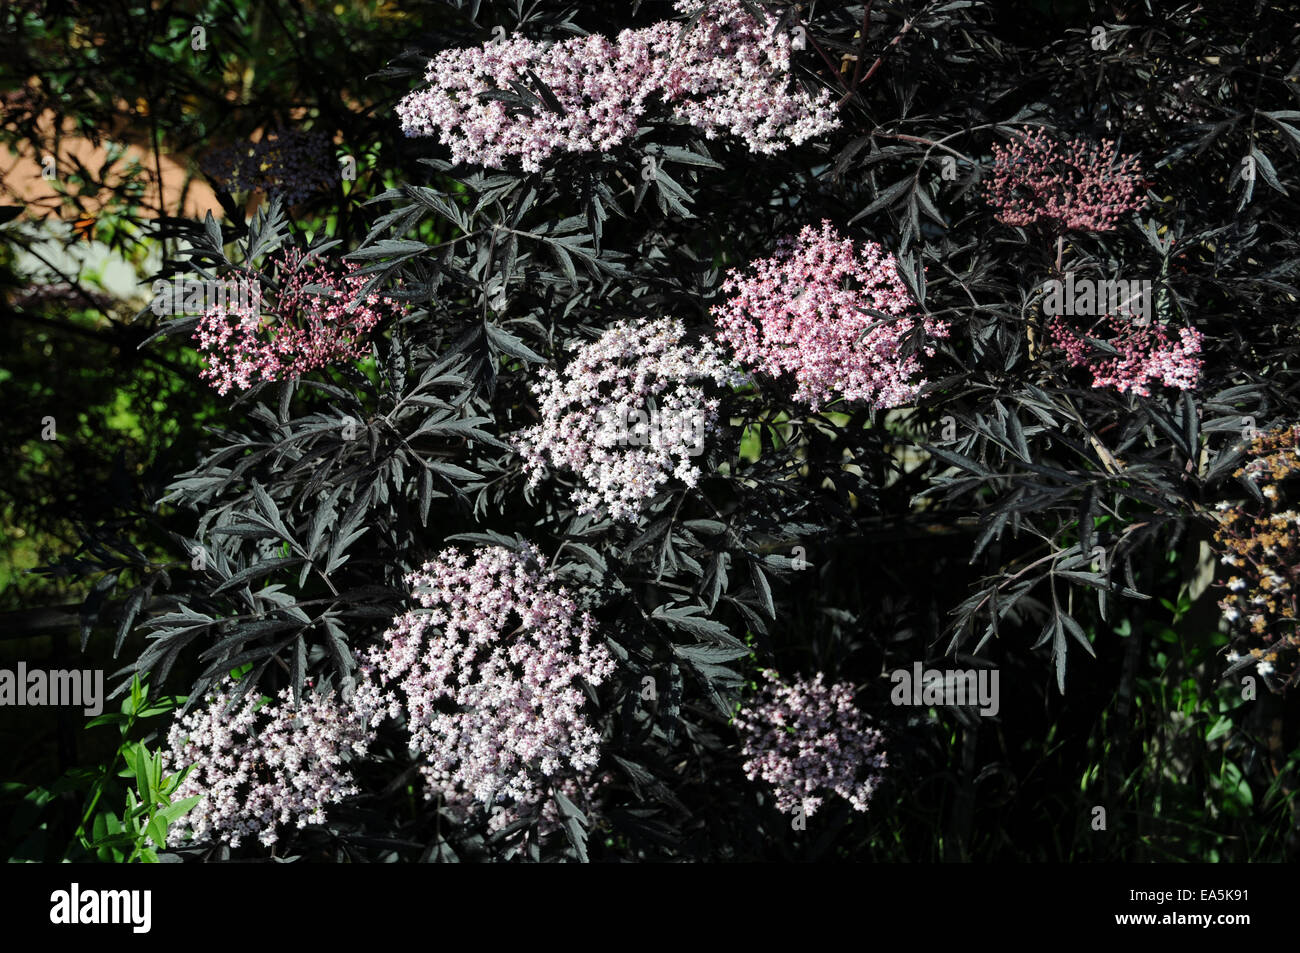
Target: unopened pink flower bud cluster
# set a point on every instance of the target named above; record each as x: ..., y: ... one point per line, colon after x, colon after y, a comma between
x: 488, y: 671
x: 299, y: 332
x: 728, y: 72
x: 259, y: 766
x: 633, y: 367
x: 1082, y: 186
x: 802, y: 313
x: 1147, y: 353
x: 806, y: 740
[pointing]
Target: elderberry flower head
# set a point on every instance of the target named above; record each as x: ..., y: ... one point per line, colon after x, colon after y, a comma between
x: 802, y: 312
x: 298, y: 332
x: 806, y: 739
x: 1083, y: 187
x: 728, y: 72
x: 628, y: 413
x: 258, y: 765
x: 489, y: 669
x: 1146, y: 354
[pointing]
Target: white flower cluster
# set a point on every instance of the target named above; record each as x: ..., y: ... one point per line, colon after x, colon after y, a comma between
x: 261, y: 764
x: 635, y: 371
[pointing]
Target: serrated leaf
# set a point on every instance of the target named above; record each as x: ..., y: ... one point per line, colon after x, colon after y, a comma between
x: 711, y: 654
x: 697, y: 626
x: 1265, y: 166
x: 508, y: 343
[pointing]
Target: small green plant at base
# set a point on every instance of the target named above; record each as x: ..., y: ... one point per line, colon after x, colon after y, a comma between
x: 139, y: 829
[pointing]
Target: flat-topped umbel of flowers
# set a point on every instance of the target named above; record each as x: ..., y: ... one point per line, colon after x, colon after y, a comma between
x: 729, y: 72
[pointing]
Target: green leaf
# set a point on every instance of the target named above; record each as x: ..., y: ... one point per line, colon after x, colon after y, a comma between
x: 141, y: 763
x: 178, y: 809
x: 157, y: 830
x: 111, y: 718
x: 137, y: 697
x: 1221, y: 728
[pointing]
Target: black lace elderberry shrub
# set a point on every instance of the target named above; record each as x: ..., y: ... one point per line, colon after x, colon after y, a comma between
x: 947, y: 484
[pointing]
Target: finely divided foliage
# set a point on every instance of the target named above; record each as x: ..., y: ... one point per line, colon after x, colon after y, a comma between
x: 522, y: 489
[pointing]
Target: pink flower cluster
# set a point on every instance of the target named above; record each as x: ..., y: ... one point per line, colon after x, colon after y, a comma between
x: 489, y: 671
x: 292, y: 162
x: 731, y: 73
x: 632, y: 367
x: 301, y: 331
x: 1084, y: 187
x: 728, y: 72
x: 1146, y: 354
x: 804, y: 737
x: 261, y: 765
x: 801, y: 312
